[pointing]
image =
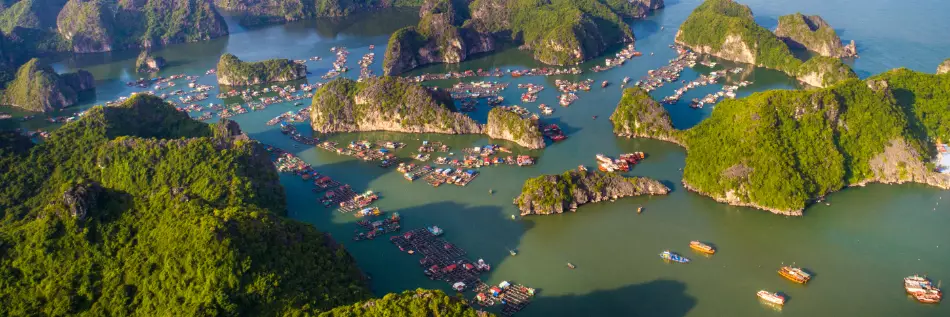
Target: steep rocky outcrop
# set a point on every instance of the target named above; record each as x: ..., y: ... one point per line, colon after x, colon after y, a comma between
x: 823, y: 71
x: 38, y: 88
x: 232, y: 71
x: 558, y: 32
x: 87, y: 25
x: 813, y: 33
x: 386, y: 104
x: 554, y: 194
x: 726, y: 29
x: 944, y: 67
x: 81, y: 198
x: 507, y: 125
x: 146, y: 63
x: 639, y: 116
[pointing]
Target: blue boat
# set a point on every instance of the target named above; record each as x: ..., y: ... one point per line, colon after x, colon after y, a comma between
x: 672, y: 256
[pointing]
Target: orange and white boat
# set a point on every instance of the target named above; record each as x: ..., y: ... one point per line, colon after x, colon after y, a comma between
x: 794, y: 274
x: 702, y: 247
x: 774, y: 298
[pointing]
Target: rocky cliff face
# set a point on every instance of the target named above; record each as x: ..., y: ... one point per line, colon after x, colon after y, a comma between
x: 944, y: 67
x: 86, y: 25
x: 232, y: 71
x: 507, y: 125
x: 554, y: 194
x: 639, y: 116
x: 822, y: 71
x: 733, y: 48
x: 813, y: 33
x: 38, y: 88
x: 386, y: 104
x: 146, y: 63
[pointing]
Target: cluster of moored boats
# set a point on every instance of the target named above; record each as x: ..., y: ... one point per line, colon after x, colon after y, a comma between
x: 621, y: 164
x: 669, y: 73
x: 339, y: 65
x: 619, y: 59
x: 365, y: 62
x: 532, y: 94
x: 475, y: 90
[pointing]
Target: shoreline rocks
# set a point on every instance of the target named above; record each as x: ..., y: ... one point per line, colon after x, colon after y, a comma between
x: 146, y: 63
x: 639, y: 116
x: 554, y: 194
x: 37, y: 87
x: 507, y: 125
x: 944, y: 67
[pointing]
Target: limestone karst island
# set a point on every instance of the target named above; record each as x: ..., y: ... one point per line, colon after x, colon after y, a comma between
x: 449, y: 158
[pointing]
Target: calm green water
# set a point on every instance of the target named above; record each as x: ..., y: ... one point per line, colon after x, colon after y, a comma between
x: 859, y: 246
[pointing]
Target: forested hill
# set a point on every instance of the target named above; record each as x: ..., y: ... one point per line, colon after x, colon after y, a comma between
x: 779, y: 150
x: 136, y: 209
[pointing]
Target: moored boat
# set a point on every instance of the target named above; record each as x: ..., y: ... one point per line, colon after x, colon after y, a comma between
x: 702, y: 247
x: 435, y: 230
x: 672, y: 256
x: 922, y: 289
x: 774, y: 298
x: 794, y: 274
x: 570, y: 265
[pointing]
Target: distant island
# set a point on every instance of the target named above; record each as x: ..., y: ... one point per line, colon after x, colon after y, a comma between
x: 256, y: 12
x: 813, y: 33
x: 140, y: 203
x: 37, y: 87
x: 554, y: 194
x: 558, y: 32
x: 726, y: 29
x: 780, y: 150
x: 146, y: 63
x: 396, y: 104
x: 232, y: 71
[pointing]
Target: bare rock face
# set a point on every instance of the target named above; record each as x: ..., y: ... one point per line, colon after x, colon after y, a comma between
x: 554, y: 194
x: 900, y: 163
x: 81, y: 198
x: 944, y: 67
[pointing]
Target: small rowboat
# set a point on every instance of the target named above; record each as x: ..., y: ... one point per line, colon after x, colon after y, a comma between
x: 672, y: 256
x: 774, y: 298
x: 702, y: 247
x: 570, y: 265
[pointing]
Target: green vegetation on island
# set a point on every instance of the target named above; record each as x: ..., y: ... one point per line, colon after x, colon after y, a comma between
x: 507, y: 125
x: 638, y: 115
x: 549, y: 194
x: 83, y: 26
x: 137, y: 209
x: 253, y: 12
x: 781, y: 149
x: 557, y: 32
x: 232, y: 71
x: 386, y: 104
x: 419, y: 302
x: 37, y: 87
x: 813, y: 33
x: 726, y: 29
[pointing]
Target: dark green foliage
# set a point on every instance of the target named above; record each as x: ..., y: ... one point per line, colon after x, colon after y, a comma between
x: 138, y: 210
x: 343, y: 105
x: 38, y: 88
x: 233, y: 71
x: 638, y: 115
x: 31, y: 14
x: 547, y: 194
x: 521, y: 129
x: 410, y: 303
x: 780, y: 149
x: 930, y: 97
x: 275, y: 11
x: 728, y: 30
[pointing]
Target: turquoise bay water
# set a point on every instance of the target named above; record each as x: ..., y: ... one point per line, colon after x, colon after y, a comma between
x: 859, y: 246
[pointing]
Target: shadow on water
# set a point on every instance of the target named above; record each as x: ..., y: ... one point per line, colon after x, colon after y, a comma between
x: 567, y: 129
x: 666, y: 298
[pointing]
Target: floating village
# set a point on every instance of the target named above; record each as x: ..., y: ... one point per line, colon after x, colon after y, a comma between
x: 436, y: 164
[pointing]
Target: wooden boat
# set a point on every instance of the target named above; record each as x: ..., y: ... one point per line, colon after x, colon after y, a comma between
x: 794, y: 274
x: 702, y: 247
x: 774, y: 298
x: 570, y: 265
x: 639, y: 209
x: 513, y: 252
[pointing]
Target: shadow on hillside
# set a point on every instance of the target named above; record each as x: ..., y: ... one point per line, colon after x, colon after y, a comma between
x: 665, y: 298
